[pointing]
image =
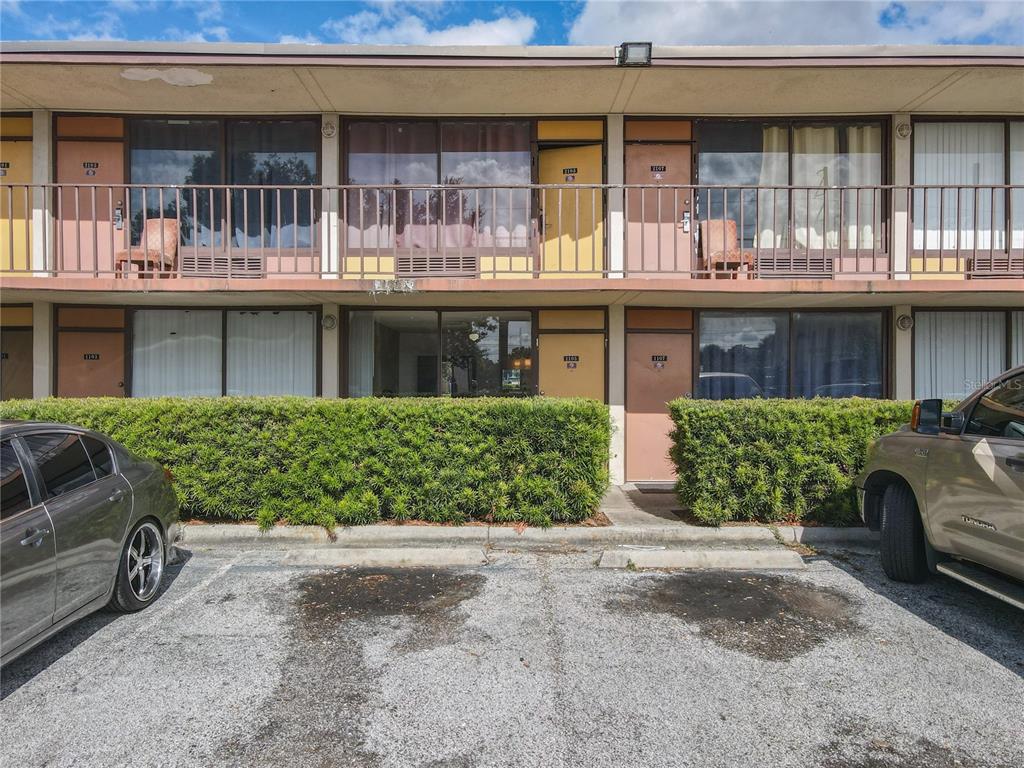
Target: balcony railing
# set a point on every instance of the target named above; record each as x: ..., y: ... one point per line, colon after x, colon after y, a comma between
x: 530, y: 231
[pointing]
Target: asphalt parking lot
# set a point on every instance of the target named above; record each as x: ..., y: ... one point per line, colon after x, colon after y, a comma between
x: 531, y: 660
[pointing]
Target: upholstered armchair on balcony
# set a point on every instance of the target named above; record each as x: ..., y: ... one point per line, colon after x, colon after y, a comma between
x: 720, y: 247
x: 156, y: 255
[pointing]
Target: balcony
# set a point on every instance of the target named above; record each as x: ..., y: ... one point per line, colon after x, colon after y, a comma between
x: 131, y: 232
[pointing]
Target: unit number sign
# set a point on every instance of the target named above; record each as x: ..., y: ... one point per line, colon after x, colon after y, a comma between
x: 571, y: 361
x: 91, y: 356
x: 570, y: 173
x: 659, y: 360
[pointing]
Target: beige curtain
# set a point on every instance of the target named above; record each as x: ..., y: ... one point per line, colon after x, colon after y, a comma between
x: 773, y: 205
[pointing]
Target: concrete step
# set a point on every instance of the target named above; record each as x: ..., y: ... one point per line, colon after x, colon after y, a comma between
x: 704, y: 558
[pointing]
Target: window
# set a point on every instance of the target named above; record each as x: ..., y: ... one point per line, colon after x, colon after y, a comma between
x: 62, y: 461
x: 743, y: 355
x: 790, y: 354
x: 815, y: 159
x: 486, y: 353
x: 957, y: 352
x: 176, y: 152
x: 213, y: 352
x: 99, y: 455
x: 273, y: 153
x: 493, y: 153
x: 271, y: 352
x: 14, y: 495
x: 837, y: 354
x: 1000, y: 411
x: 1017, y: 339
x: 201, y: 153
x: 452, y: 353
x: 176, y: 352
x: 969, y: 154
x: 393, y: 353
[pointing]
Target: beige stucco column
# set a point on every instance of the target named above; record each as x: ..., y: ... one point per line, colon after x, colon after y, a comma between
x: 330, y: 176
x: 330, y: 351
x: 902, y: 355
x: 616, y: 171
x: 617, y: 391
x: 42, y: 173
x: 42, y: 349
x: 901, y: 172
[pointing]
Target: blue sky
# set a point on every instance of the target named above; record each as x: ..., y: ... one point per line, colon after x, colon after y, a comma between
x: 508, y: 22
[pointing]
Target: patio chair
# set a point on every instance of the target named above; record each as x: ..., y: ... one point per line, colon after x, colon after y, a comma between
x: 156, y: 255
x: 719, y: 243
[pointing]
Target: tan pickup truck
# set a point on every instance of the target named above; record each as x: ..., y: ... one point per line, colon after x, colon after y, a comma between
x: 947, y: 491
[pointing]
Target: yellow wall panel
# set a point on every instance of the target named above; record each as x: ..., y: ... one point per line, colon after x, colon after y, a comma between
x: 15, y: 316
x: 15, y: 205
x: 548, y: 130
x: 16, y: 126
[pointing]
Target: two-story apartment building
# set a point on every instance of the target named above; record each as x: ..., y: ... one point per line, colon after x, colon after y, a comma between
x: 346, y: 221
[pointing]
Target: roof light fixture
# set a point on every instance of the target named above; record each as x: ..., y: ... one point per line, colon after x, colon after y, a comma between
x: 633, y: 55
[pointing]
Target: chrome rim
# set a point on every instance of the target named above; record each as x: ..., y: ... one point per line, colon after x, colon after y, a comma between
x: 145, y: 561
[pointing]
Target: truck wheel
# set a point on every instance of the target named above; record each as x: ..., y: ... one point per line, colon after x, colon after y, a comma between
x: 902, y: 545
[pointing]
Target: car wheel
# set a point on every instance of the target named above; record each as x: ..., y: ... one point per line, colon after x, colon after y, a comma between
x: 902, y: 544
x: 141, y: 569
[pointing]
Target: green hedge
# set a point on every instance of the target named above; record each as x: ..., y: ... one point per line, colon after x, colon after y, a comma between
x: 776, y: 460
x: 329, y: 462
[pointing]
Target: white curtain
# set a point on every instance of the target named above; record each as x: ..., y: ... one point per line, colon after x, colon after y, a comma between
x: 862, y: 211
x: 360, y: 354
x: 176, y: 352
x: 1016, y: 339
x: 816, y: 209
x: 271, y: 352
x: 773, y: 205
x: 958, y: 154
x: 1017, y: 177
x: 957, y: 352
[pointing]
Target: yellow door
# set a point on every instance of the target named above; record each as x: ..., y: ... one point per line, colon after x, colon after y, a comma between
x: 572, y: 365
x: 15, y: 205
x: 572, y: 224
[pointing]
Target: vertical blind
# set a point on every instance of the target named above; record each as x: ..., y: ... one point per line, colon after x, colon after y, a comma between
x: 176, y: 352
x: 270, y: 352
x: 957, y: 352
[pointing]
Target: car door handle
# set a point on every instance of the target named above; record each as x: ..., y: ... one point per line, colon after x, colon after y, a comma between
x: 1017, y: 464
x: 116, y: 495
x: 34, y: 537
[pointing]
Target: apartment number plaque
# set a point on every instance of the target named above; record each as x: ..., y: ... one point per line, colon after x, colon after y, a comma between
x: 571, y: 361
x: 659, y: 360
x: 90, y: 168
x: 570, y: 173
x: 91, y: 356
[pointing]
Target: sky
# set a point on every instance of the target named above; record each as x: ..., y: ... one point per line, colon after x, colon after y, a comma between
x: 529, y: 22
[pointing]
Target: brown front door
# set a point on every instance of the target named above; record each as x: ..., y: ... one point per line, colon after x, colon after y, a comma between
x: 572, y: 365
x: 16, y: 363
x: 659, y: 368
x: 658, y: 226
x: 90, y: 364
x: 88, y: 236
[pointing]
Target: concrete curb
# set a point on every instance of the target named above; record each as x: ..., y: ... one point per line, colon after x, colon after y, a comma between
x: 389, y: 536
x: 397, y: 557
x: 715, y: 559
x: 798, y: 534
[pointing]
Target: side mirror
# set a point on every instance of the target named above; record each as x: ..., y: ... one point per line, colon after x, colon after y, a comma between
x: 926, y: 417
x: 952, y: 422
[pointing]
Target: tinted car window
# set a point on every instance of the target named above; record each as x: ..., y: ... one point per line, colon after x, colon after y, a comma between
x: 14, y: 496
x: 100, y: 455
x: 1000, y: 411
x: 62, y: 461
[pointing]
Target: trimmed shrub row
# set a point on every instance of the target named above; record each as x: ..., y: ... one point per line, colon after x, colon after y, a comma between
x: 776, y: 460
x: 345, y: 462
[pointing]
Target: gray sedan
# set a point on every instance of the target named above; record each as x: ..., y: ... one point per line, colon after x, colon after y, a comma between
x: 83, y: 524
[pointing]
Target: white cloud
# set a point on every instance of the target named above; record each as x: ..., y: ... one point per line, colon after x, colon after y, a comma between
x: 809, y: 22
x: 214, y: 34
x: 307, y: 39
x: 397, y: 23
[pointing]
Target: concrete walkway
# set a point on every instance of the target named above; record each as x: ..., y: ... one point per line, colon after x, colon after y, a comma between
x: 630, y: 507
